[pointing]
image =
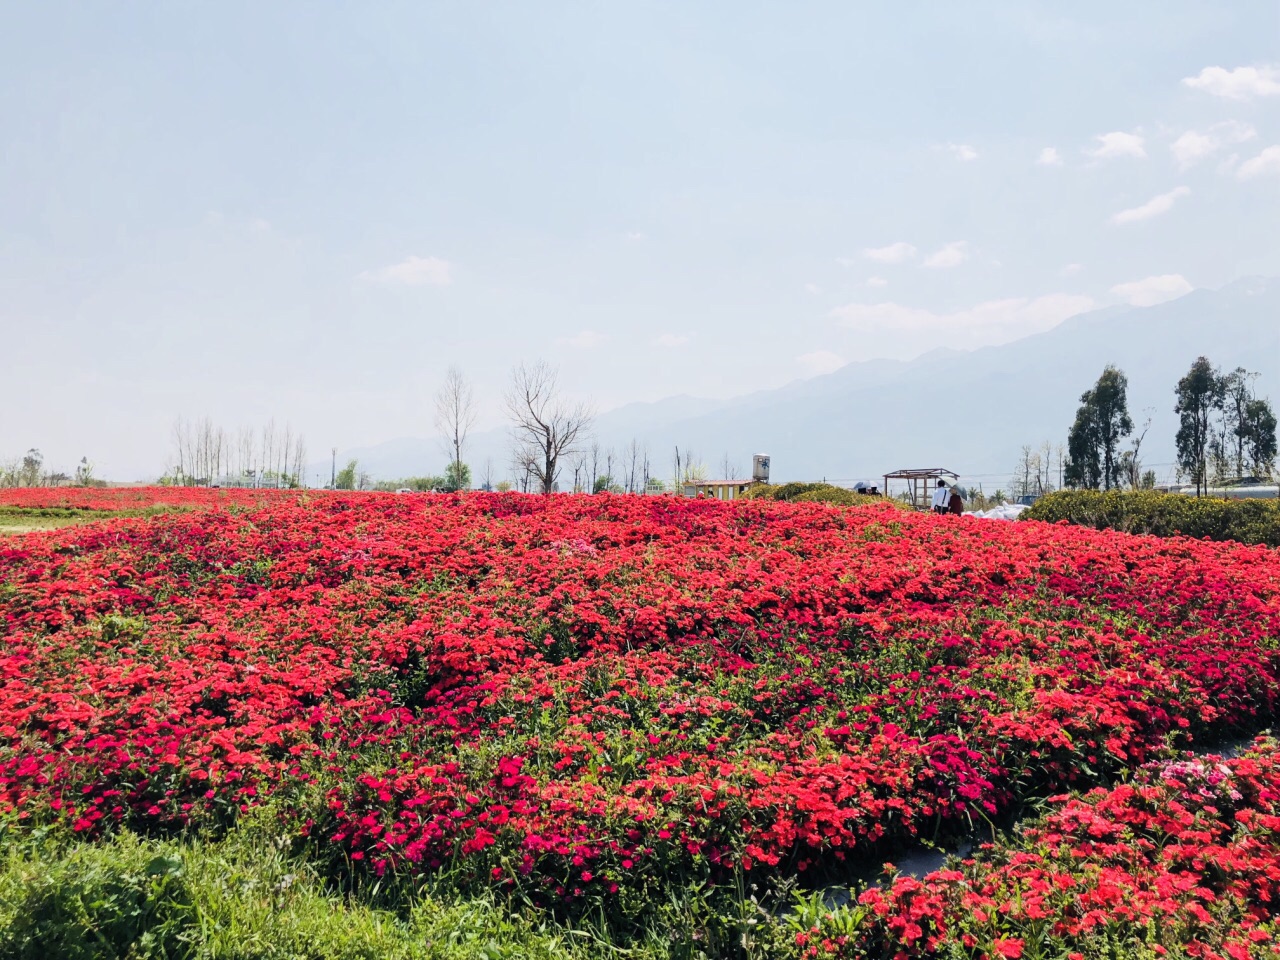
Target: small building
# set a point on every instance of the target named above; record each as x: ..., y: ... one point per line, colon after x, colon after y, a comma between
x: 920, y: 483
x: 719, y: 489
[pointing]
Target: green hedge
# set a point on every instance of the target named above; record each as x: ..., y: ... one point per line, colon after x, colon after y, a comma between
x: 1163, y: 514
x: 812, y: 493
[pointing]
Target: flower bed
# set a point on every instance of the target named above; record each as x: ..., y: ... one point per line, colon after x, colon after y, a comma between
x: 122, y: 499
x: 585, y: 702
x: 1182, y: 861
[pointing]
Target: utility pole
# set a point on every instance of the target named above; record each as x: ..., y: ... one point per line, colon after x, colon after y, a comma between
x: 333, y: 471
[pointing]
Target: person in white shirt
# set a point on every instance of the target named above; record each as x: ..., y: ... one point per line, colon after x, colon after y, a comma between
x: 940, y: 497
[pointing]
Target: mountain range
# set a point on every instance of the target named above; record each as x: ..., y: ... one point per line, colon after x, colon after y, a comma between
x: 967, y: 411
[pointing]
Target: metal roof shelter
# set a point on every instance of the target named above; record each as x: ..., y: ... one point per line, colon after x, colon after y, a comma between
x: 920, y: 483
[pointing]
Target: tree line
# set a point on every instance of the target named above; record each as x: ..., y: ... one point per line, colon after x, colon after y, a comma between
x: 31, y: 471
x: 205, y: 453
x: 551, y: 445
x: 1226, y: 432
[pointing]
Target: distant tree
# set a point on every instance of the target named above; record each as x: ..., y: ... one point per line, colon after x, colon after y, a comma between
x: 347, y: 476
x: 604, y: 483
x: 635, y: 457
x: 1259, y: 429
x: 694, y: 469
x: 30, y: 472
x: 1244, y: 438
x: 503, y: 486
x: 729, y: 469
x: 457, y: 476
x: 1228, y: 443
x: 84, y: 473
x: 1102, y: 421
x: 1026, y: 475
x: 1199, y: 394
x: 455, y: 416
x: 545, y: 428
x: 1131, y: 459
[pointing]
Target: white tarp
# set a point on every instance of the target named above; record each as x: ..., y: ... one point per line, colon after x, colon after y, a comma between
x: 1005, y: 511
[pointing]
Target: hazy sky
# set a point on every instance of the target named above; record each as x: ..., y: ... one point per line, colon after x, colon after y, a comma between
x: 306, y: 212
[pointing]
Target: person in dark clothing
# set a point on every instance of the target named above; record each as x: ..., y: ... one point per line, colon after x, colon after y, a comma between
x: 955, y: 503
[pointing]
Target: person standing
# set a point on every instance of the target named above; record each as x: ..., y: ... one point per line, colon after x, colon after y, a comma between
x: 955, y: 502
x: 940, y: 498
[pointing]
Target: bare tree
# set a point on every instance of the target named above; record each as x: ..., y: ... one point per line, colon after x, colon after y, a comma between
x: 633, y: 454
x: 544, y: 427
x: 181, y: 449
x: 1026, y: 477
x: 1131, y: 459
x: 728, y: 468
x: 299, y: 461
x: 455, y: 416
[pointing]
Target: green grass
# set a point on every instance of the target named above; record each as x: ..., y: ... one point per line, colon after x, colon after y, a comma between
x: 239, y: 898
x: 16, y: 520
x: 245, y: 896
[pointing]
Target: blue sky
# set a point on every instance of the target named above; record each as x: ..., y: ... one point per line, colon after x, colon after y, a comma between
x: 308, y: 212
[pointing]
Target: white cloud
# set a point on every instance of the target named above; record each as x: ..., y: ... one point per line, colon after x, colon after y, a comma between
x: 258, y: 225
x: 952, y: 255
x: 812, y: 288
x: 876, y: 281
x: 1242, y: 83
x: 893, y: 253
x: 1152, y: 208
x: 1049, y: 157
x: 1152, y: 290
x: 584, y: 340
x: 635, y: 235
x: 1117, y: 144
x: 413, y: 271
x: 670, y: 340
x: 1265, y: 163
x: 820, y: 361
x: 962, y: 151
x: 1070, y: 270
x: 995, y: 321
x: 1193, y: 146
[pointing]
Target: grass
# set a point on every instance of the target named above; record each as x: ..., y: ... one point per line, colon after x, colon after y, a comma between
x: 12, y: 525
x: 242, y: 897
x: 247, y: 896
x: 18, y: 520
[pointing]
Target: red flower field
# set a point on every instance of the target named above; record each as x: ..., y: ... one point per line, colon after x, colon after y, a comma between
x: 583, y: 701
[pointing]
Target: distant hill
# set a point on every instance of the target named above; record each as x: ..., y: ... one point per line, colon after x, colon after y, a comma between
x: 970, y: 411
